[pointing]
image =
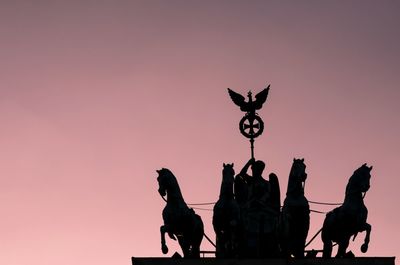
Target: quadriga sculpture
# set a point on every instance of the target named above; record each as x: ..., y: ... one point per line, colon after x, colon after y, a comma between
x: 295, y: 216
x: 180, y: 221
x: 350, y: 218
x: 226, y: 217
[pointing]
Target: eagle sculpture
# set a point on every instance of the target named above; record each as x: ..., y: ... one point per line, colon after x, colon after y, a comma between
x: 249, y: 106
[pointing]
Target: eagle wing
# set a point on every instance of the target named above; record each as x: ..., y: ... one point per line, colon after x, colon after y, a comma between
x: 275, y: 191
x: 261, y: 98
x: 237, y: 99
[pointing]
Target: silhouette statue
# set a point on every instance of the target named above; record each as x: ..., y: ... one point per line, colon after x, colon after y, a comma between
x: 259, y: 202
x: 350, y: 218
x: 251, y: 125
x: 295, y: 216
x: 226, y: 218
x: 249, y: 106
x: 180, y: 221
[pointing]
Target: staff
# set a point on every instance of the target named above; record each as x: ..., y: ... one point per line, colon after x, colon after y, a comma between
x: 251, y: 125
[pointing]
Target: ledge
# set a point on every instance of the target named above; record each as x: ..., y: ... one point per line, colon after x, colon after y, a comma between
x: 306, y: 261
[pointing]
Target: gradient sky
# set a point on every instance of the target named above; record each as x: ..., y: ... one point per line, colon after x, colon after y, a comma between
x: 97, y: 95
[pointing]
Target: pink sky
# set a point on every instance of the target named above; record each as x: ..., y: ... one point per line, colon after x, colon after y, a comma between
x: 97, y: 95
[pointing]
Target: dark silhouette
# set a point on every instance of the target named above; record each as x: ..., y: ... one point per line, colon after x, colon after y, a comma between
x: 180, y: 221
x: 251, y: 125
x: 259, y: 202
x: 226, y: 218
x: 295, y: 216
x: 249, y: 106
x: 349, y: 219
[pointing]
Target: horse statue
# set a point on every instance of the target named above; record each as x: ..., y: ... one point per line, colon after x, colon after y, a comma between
x: 259, y: 201
x: 226, y: 217
x: 180, y: 221
x: 350, y: 218
x: 295, y: 215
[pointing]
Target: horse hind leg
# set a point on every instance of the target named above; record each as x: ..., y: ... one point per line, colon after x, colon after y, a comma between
x: 327, y: 250
x: 193, y: 247
x: 186, y: 249
x: 198, y: 233
x: 195, y: 251
x: 342, y: 247
x: 298, y: 249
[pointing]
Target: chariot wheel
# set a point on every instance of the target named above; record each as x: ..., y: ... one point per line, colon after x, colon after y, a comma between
x: 251, y: 126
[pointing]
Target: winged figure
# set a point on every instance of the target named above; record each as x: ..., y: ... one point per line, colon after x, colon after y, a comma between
x: 250, y: 105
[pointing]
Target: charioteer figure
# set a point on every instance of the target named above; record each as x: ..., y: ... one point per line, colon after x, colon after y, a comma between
x: 259, y: 201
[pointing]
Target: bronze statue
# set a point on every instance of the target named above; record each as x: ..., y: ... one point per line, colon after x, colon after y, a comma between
x: 295, y: 216
x: 251, y: 125
x: 250, y: 106
x: 226, y: 217
x: 260, y: 203
x: 247, y: 218
x: 180, y: 221
x: 350, y: 218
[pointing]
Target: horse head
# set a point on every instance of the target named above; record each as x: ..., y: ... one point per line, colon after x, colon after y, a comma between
x: 228, y: 172
x: 360, y: 180
x: 166, y: 181
x: 297, y: 175
x: 299, y: 169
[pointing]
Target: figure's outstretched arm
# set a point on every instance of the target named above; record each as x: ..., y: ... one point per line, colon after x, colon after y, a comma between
x: 243, y: 172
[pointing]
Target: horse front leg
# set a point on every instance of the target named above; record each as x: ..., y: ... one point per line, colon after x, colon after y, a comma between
x: 164, y: 248
x: 367, y: 228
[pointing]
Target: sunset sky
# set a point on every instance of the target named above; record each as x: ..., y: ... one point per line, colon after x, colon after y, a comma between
x: 97, y: 95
